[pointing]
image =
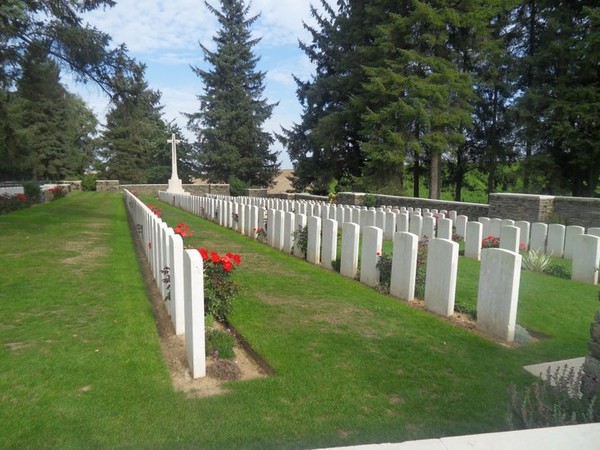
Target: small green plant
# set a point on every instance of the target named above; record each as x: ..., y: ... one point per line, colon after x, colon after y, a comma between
x: 32, y: 190
x: 58, y: 192
x: 384, y: 265
x: 555, y: 401
x: 536, y: 261
x: 558, y: 271
x: 300, y: 237
x: 219, y: 344
x: 219, y: 290
x: 336, y: 264
x: 462, y: 308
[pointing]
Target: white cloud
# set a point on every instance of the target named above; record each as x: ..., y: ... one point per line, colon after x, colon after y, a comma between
x: 165, y: 36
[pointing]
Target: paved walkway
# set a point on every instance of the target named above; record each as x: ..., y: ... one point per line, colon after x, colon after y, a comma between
x: 579, y: 437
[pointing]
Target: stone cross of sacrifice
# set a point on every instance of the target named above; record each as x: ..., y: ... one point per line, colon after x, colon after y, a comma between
x: 173, y: 141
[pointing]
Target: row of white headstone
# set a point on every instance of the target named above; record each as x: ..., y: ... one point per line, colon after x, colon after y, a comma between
x: 571, y: 242
x: 12, y: 190
x: 500, y: 268
x: 179, y: 276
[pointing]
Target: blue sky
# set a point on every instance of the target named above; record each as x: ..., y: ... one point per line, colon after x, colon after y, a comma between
x: 164, y: 35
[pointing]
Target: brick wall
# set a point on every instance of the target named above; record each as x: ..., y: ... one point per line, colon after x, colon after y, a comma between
x: 582, y: 211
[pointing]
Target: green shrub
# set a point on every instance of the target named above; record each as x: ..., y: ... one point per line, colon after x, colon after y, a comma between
x: 370, y: 200
x: 384, y: 265
x: 220, y: 344
x: 237, y: 187
x: 421, y: 268
x: 300, y: 237
x: 32, y: 190
x: 555, y: 402
x: 88, y: 183
x: 336, y: 264
x: 556, y: 270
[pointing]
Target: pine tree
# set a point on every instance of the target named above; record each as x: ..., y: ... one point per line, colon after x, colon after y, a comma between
x: 134, y: 130
x: 421, y: 98
x: 231, y: 141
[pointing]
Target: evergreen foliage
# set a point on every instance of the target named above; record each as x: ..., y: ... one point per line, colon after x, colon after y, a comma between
x: 134, y: 131
x: 230, y: 138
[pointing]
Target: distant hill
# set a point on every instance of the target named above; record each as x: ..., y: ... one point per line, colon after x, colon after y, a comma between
x: 282, y: 184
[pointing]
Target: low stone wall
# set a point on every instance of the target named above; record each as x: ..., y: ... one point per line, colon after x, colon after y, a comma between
x: 255, y: 192
x: 532, y: 208
x: 468, y: 209
x: 152, y: 189
x: 582, y: 211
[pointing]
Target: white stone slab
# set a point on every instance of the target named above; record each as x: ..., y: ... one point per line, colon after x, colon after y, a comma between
x: 390, y: 226
x: 279, y: 230
x: 485, y: 221
x: 194, y: 312
x: 444, y: 229
x: 428, y: 229
x: 586, y: 258
x: 402, y: 222
x: 440, y: 284
x: 537, y: 241
x: 473, y: 240
x: 329, y: 244
x: 570, y: 237
x: 524, y: 228
x: 555, y: 241
x: 404, y: 265
x: 498, y: 295
x: 461, y: 225
x: 371, y: 250
x: 271, y: 227
x: 509, y: 238
x: 416, y: 225
x: 289, y: 225
x: 176, y: 274
x: 350, y: 242
x: 313, y: 248
x: 494, y: 227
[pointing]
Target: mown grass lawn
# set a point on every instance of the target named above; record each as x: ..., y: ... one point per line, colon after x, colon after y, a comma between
x: 81, y: 366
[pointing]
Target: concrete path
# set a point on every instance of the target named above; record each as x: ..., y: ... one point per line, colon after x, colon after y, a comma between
x: 579, y: 437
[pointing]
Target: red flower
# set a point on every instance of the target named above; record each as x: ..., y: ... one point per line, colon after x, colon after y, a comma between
x: 182, y: 229
x: 523, y: 247
x: 203, y: 253
x: 237, y: 259
x: 227, y: 265
x: 215, y: 257
x: 149, y: 244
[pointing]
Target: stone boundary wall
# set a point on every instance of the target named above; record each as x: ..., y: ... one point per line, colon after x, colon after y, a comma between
x: 255, y: 192
x: 152, y: 189
x: 467, y: 209
x: 582, y: 211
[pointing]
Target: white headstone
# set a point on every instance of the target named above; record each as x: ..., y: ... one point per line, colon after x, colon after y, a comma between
x: 329, y: 250
x: 444, y: 229
x: 370, y: 252
x: 289, y: 226
x: 573, y: 231
x: 416, y: 225
x: 402, y: 222
x: 498, y: 295
x: 586, y: 258
x: 313, y: 248
x: 194, y: 312
x: 428, y: 229
x: 440, y: 284
x: 524, y: 228
x: 404, y: 265
x: 390, y: 225
x: 555, y: 244
x: 509, y: 238
x: 350, y: 240
x: 537, y: 241
x: 473, y: 240
x: 177, y: 299
x: 461, y: 225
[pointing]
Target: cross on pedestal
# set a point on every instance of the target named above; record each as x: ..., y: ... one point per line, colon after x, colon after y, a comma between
x: 175, y: 186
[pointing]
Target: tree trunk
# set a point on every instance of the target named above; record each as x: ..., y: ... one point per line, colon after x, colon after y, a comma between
x: 435, y: 175
x: 416, y: 176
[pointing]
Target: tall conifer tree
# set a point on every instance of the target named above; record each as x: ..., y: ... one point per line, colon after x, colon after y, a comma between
x: 230, y: 138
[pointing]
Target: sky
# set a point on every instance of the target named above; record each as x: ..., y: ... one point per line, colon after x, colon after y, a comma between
x: 164, y: 35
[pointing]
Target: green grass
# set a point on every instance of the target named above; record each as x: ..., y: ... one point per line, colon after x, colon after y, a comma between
x: 80, y: 363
